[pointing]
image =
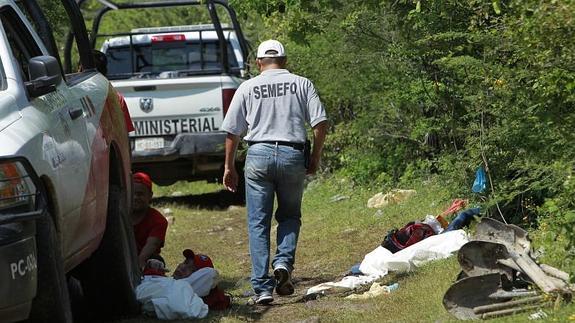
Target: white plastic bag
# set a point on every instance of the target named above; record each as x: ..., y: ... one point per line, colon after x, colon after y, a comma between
x: 170, y: 299
x: 435, y: 247
x: 380, y: 261
x: 432, y: 221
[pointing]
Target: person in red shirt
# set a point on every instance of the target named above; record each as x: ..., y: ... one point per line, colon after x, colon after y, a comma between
x: 149, y: 224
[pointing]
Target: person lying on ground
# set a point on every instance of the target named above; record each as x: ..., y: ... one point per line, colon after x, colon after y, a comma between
x: 150, y: 225
x: 198, y: 270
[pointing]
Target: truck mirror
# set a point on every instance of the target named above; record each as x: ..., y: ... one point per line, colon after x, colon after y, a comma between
x: 44, y: 73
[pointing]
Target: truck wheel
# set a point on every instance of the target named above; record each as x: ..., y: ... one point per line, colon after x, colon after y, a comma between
x: 111, y: 274
x: 52, y: 301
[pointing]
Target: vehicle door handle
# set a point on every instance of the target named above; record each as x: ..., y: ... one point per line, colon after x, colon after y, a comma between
x: 145, y: 88
x: 76, y: 113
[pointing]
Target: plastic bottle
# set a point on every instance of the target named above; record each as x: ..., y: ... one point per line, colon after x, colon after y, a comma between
x: 392, y: 287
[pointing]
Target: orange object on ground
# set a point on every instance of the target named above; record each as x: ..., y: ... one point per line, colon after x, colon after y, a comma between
x: 457, y: 205
x: 442, y: 221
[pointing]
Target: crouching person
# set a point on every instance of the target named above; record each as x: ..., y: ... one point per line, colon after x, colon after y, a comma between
x: 198, y: 271
x: 149, y: 224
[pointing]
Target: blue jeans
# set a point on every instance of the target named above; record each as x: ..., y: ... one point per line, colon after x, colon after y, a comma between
x: 463, y: 219
x: 273, y: 170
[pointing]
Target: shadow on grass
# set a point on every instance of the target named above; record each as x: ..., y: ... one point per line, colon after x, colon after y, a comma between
x: 219, y: 200
x: 240, y: 311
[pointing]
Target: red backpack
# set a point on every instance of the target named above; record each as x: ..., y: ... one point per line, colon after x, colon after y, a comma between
x: 411, y: 233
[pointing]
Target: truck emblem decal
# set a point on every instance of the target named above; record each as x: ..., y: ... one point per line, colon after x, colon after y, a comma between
x: 146, y: 104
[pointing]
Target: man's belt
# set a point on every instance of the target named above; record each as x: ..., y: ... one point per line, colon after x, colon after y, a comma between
x: 294, y: 145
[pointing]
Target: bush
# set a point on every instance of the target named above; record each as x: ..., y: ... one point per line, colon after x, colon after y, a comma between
x: 557, y: 226
x: 415, y: 88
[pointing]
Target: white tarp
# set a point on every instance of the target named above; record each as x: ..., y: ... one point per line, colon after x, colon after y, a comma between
x: 380, y: 261
x: 170, y: 299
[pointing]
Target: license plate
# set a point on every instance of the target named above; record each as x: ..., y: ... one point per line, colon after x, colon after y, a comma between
x: 143, y: 144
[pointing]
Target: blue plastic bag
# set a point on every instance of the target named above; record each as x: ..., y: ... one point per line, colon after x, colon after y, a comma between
x: 480, y: 182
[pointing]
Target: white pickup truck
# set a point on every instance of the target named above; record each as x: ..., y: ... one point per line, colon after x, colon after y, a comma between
x: 178, y: 82
x: 65, y: 180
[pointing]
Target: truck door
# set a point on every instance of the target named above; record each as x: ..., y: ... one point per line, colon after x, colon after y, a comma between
x: 64, y: 143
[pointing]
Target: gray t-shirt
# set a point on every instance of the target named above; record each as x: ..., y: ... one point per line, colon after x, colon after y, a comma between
x: 274, y: 106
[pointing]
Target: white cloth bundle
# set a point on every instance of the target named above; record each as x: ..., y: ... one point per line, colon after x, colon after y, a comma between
x: 170, y: 299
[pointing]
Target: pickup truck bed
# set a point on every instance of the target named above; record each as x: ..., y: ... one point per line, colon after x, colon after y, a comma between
x: 178, y: 82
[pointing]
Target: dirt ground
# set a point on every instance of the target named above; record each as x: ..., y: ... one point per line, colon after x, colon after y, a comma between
x: 212, y: 222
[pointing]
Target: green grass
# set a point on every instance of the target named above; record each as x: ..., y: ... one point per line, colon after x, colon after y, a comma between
x: 334, y: 236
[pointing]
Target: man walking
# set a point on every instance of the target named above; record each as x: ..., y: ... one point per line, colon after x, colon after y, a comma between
x: 273, y: 110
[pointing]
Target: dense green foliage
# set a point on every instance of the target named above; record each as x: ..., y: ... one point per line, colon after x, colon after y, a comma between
x: 417, y: 88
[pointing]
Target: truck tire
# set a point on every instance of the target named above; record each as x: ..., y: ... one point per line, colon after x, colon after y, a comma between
x: 52, y: 301
x: 109, y: 277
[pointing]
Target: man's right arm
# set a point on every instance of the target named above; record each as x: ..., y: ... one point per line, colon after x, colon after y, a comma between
x: 230, y: 173
x: 150, y: 248
x: 156, y: 237
x: 234, y: 124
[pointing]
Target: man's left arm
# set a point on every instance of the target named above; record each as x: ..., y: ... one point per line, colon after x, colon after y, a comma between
x: 318, y: 120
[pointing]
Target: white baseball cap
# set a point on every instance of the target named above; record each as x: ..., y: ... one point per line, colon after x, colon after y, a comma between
x: 268, y: 45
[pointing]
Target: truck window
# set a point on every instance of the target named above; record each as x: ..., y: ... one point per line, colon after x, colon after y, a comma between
x: 57, y: 18
x: 155, y: 58
x: 20, y: 40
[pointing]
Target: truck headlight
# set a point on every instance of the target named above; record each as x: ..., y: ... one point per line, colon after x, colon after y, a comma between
x: 18, y: 192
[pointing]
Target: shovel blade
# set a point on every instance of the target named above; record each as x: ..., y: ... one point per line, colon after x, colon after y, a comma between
x: 466, y: 294
x: 482, y: 257
x: 512, y: 236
